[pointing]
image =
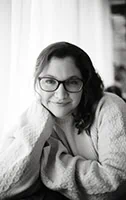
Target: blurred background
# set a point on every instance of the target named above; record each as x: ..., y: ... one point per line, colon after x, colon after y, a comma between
x: 28, y: 26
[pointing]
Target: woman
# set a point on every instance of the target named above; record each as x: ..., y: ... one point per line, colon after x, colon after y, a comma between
x: 72, y: 140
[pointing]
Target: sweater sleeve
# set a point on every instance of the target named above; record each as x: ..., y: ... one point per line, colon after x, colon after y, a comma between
x: 22, y: 147
x: 74, y: 176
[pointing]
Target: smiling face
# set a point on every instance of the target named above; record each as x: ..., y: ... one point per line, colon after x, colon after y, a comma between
x: 60, y: 102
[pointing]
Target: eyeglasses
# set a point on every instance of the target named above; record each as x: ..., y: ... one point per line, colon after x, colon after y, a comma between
x: 72, y: 85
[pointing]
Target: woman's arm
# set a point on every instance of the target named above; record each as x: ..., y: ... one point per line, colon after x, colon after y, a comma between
x: 21, y: 150
x: 74, y: 176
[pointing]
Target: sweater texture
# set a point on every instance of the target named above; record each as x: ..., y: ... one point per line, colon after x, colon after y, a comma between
x: 88, y: 167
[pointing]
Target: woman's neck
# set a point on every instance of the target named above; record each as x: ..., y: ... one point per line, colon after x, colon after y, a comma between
x: 67, y: 119
x: 66, y: 123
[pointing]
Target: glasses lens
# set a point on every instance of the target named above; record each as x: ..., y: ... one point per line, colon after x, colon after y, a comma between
x: 74, y: 85
x: 48, y: 84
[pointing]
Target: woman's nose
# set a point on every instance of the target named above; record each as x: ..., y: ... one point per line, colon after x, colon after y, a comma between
x: 61, y: 93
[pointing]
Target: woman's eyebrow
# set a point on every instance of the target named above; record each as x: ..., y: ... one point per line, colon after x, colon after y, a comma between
x: 48, y: 75
x: 51, y: 76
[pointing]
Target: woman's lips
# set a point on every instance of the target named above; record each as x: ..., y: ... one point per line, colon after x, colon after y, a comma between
x: 61, y: 103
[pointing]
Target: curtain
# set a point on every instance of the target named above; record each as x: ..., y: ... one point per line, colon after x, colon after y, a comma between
x: 27, y: 26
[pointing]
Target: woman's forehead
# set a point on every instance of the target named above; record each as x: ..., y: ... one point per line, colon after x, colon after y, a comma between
x: 61, y: 67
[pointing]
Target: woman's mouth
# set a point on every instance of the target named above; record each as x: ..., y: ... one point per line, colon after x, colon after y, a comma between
x: 61, y: 103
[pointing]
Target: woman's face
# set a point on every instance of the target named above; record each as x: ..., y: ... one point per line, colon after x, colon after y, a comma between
x: 60, y: 102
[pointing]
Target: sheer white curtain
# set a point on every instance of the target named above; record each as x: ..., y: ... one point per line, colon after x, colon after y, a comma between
x: 5, y: 26
x: 29, y: 25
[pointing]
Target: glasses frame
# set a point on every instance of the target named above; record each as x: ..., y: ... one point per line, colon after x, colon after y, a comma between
x: 60, y: 82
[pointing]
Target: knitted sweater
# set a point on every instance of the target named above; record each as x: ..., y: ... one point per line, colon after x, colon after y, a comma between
x: 97, y: 173
x: 93, y: 174
x: 20, y: 152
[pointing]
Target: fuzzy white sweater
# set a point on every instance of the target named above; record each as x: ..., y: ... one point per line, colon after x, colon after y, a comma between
x: 20, y: 151
x: 79, y: 166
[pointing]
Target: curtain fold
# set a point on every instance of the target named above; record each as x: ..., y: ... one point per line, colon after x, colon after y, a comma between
x: 5, y: 43
x: 96, y: 36
x: 31, y: 26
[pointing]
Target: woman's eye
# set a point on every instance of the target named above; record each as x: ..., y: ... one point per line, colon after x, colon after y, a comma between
x: 50, y: 81
x: 73, y: 82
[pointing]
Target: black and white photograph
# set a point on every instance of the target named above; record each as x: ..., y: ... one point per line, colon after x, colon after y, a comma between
x: 63, y: 100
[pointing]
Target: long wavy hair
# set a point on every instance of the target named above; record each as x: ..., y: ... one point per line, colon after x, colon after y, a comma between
x: 93, y: 85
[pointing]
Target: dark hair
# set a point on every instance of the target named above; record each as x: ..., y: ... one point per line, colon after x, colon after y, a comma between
x: 114, y: 89
x: 93, y: 85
